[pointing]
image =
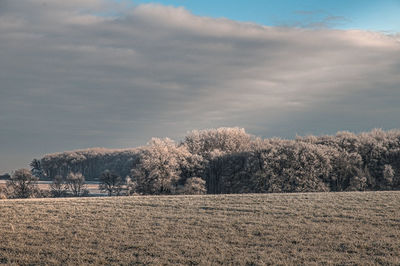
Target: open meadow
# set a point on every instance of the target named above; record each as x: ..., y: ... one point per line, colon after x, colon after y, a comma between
x: 250, y: 229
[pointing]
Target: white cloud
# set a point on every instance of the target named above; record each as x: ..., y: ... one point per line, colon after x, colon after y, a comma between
x: 129, y: 73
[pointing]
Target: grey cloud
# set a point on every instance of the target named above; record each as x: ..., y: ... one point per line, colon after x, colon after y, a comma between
x: 77, y: 74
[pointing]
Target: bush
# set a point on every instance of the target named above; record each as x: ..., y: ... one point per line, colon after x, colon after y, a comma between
x: 58, y: 188
x: 76, y: 184
x: 195, y: 186
x: 131, y: 186
x: 22, y: 184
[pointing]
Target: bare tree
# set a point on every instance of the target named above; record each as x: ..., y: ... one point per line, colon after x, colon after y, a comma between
x: 58, y: 187
x: 22, y: 184
x: 76, y: 184
x: 110, y: 182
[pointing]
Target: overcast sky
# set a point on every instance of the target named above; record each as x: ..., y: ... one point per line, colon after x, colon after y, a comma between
x: 99, y: 73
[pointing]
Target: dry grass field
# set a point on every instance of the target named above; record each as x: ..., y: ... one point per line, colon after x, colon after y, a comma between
x: 312, y: 228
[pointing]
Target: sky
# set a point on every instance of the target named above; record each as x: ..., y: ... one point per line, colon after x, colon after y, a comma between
x: 104, y: 73
x: 372, y: 15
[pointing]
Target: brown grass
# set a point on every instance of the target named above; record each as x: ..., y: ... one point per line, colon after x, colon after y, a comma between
x: 313, y: 228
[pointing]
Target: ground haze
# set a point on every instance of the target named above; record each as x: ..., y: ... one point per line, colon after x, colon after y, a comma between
x: 307, y: 228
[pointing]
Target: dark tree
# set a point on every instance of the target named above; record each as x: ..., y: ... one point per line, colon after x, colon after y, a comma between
x: 90, y: 162
x: 36, y: 168
x: 110, y: 182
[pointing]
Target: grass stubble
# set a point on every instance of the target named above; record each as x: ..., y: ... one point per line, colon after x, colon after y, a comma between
x: 249, y: 229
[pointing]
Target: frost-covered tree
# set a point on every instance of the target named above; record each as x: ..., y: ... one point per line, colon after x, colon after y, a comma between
x: 344, y: 167
x: 358, y: 182
x: 194, y: 186
x: 131, y: 186
x: 158, y: 171
x: 211, y: 145
x: 388, y: 175
x: 298, y: 167
x: 190, y: 165
x: 229, y: 140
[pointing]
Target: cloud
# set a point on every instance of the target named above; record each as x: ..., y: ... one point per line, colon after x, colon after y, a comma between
x: 315, y: 19
x: 76, y: 74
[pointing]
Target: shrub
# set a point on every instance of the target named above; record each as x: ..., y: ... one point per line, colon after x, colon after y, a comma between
x: 194, y: 186
x: 22, y: 184
x: 58, y: 187
x: 76, y: 183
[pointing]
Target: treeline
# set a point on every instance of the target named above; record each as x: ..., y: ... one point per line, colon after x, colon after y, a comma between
x: 89, y: 162
x: 228, y: 160
x: 231, y: 161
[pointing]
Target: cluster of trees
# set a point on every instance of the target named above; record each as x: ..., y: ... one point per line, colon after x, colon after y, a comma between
x: 229, y: 160
x: 24, y: 184
x: 89, y: 162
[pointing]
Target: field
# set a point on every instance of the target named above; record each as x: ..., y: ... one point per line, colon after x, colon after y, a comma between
x: 91, y: 186
x: 313, y: 228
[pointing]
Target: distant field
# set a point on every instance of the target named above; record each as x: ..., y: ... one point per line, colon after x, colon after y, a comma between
x: 313, y: 228
x: 91, y: 186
